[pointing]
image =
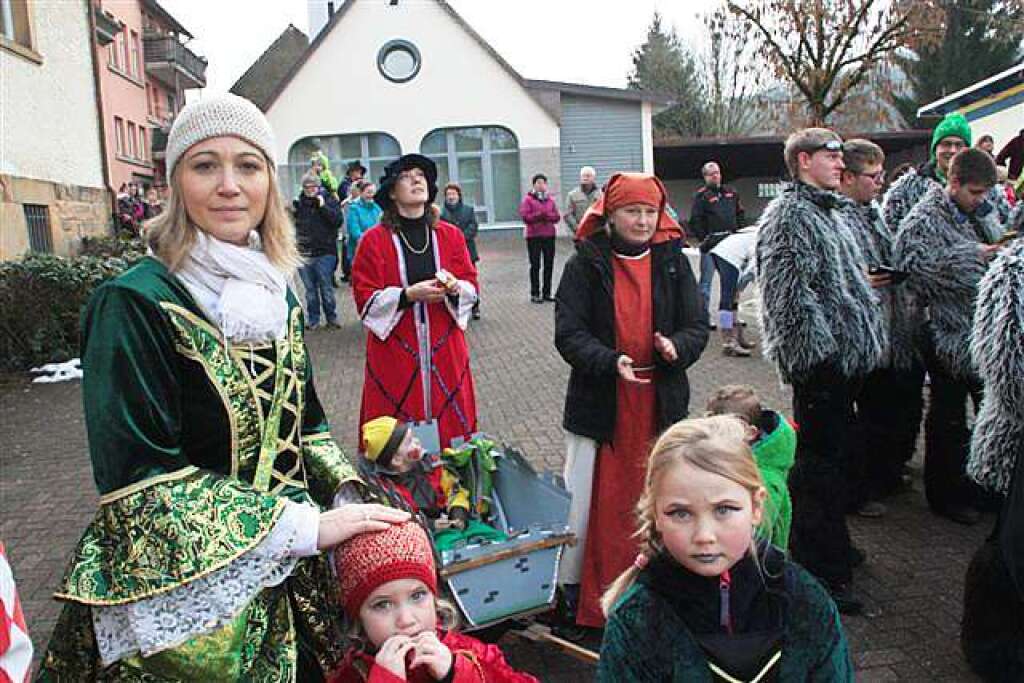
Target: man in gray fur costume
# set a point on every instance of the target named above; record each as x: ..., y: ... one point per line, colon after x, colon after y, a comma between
x: 945, y: 248
x: 951, y: 136
x: 993, y: 639
x: 822, y: 328
x: 890, y: 402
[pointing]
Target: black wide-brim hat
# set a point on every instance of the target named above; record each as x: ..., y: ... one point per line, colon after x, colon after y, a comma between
x: 392, y: 171
x: 355, y: 166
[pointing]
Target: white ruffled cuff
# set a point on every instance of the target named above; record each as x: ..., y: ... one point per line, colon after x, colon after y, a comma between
x: 381, y: 312
x: 202, y: 606
x: 308, y: 530
x: 461, y: 305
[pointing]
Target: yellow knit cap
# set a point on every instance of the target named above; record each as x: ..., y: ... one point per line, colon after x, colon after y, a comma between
x: 376, y: 435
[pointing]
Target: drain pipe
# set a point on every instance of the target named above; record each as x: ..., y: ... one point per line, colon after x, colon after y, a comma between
x: 100, y: 116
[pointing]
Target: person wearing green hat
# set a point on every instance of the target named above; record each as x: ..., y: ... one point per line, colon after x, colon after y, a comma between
x: 951, y: 136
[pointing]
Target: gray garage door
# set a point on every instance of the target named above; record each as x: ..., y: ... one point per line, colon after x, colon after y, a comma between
x: 605, y: 134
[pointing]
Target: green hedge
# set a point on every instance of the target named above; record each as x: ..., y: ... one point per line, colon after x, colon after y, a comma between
x: 42, y: 296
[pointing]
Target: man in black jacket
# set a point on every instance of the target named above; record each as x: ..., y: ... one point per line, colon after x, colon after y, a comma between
x: 716, y: 214
x: 316, y: 227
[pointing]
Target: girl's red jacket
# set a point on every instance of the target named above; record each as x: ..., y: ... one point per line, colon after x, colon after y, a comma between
x: 474, y: 662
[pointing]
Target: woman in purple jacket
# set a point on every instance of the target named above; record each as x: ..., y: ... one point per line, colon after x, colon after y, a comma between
x: 540, y: 213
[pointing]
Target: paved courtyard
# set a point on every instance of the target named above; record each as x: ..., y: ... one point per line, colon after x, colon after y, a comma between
x: 916, y: 562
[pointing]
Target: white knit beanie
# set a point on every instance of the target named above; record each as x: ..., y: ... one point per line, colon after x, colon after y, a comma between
x: 212, y: 117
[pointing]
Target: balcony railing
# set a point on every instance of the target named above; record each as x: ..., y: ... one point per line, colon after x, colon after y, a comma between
x: 159, y: 142
x: 173, y: 64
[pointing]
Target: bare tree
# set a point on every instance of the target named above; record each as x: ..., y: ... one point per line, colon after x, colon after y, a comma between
x: 730, y: 71
x: 826, y: 48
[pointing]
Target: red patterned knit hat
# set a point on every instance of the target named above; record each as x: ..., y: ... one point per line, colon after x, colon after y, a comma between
x: 368, y: 561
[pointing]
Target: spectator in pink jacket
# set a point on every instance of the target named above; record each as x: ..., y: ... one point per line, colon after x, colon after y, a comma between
x: 540, y: 213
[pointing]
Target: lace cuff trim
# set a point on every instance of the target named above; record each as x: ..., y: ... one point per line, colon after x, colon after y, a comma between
x: 202, y: 606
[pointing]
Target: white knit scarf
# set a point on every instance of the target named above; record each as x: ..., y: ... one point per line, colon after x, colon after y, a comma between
x: 239, y: 288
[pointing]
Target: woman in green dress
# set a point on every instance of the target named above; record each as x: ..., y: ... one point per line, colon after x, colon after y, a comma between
x: 209, y: 446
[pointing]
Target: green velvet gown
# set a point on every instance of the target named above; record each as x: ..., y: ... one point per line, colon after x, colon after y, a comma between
x: 195, y: 446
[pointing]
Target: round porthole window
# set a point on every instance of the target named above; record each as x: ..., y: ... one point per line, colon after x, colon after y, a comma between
x: 398, y: 61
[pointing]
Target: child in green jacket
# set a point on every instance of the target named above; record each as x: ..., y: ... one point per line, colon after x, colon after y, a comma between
x: 773, y: 439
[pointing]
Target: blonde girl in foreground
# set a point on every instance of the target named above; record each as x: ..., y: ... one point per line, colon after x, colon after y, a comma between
x: 704, y: 601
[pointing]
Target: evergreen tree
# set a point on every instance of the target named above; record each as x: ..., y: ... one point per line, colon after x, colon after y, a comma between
x: 664, y: 65
x: 980, y: 38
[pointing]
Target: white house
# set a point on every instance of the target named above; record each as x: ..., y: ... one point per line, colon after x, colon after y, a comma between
x: 383, y: 78
x: 993, y: 106
x: 51, y: 161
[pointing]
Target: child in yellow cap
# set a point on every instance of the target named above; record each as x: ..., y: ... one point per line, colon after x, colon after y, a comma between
x: 392, y: 457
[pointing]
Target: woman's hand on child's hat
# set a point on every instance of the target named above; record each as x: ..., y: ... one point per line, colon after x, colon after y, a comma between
x: 391, y: 655
x: 433, y: 654
x: 341, y: 524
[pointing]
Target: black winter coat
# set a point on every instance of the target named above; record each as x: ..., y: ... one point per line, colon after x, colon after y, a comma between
x: 585, y: 335
x: 316, y: 227
x: 716, y: 212
x: 463, y: 217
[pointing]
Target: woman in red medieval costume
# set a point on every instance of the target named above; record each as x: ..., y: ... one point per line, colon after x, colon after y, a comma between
x: 629, y: 321
x: 415, y: 287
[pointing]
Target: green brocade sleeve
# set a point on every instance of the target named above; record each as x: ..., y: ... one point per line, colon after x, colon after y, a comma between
x: 162, y: 522
x: 327, y: 466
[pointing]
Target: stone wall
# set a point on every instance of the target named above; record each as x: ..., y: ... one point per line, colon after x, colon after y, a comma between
x: 74, y: 211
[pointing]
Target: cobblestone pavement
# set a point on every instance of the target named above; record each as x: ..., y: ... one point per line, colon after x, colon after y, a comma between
x: 913, y: 577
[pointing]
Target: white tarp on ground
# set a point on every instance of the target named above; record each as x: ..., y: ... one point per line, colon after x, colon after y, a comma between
x: 58, y: 372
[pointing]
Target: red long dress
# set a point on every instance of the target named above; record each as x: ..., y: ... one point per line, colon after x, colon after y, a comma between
x: 417, y: 361
x: 619, y: 470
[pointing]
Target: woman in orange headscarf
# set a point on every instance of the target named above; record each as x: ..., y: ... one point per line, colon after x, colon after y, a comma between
x: 628, y: 319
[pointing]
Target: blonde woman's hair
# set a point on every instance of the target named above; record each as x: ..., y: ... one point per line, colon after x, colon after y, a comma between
x: 713, y: 444
x: 171, y: 234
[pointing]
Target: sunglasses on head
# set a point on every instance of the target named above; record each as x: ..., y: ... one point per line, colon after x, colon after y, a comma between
x: 830, y: 145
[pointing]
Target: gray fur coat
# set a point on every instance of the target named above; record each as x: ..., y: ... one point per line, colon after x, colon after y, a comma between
x: 908, y: 190
x: 900, y: 315
x: 817, y: 307
x: 939, y: 247
x: 997, y: 346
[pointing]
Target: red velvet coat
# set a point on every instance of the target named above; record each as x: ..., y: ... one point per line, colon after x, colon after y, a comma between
x: 424, y: 340
x: 474, y: 662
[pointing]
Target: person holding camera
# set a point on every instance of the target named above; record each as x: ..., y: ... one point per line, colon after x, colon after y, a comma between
x: 316, y: 227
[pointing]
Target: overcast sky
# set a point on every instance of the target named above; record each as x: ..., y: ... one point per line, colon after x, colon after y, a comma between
x: 580, y: 41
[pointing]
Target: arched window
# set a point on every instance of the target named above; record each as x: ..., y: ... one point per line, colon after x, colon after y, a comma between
x: 373, y: 150
x: 484, y: 160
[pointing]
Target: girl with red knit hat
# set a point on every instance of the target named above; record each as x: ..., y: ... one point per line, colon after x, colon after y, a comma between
x: 402, y: 632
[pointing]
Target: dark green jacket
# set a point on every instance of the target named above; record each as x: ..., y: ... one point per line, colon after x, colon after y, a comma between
x: 652, y: 634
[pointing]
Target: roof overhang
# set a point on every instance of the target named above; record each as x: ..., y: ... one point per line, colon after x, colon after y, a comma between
x: 600, y: 91
x: 992, y: 85
x: 154, y: 7
x: 659, y: 100
x: 760, y: 156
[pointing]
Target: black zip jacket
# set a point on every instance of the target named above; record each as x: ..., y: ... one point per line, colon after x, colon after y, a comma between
x: 716, y: 211
x: 585, y: 335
